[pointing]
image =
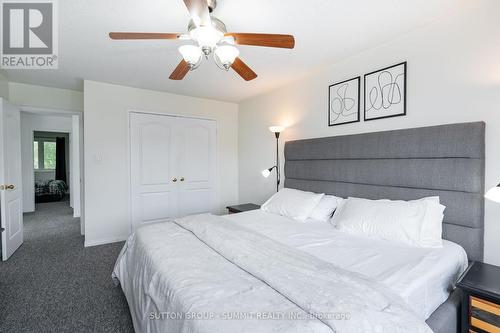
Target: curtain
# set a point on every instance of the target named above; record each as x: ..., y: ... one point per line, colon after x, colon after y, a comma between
x: 61, y: 159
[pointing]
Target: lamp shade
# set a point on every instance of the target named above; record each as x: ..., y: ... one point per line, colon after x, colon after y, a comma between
x: 191, y: 54
x: 276, y: 129
x: 226, y: 54
x: 266, y: 173
x: 493, y: 194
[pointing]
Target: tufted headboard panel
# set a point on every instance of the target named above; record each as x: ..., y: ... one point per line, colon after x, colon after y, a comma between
x: 445, y: 160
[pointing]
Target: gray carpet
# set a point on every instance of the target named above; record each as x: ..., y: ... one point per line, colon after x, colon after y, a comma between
x: 53, y: 284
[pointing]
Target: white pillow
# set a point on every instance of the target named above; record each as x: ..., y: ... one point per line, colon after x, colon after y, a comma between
x: 325, y: 208
x: 340, y: 205
x: 432, y: 225
x: 432, y: 228
x: 295, y: 204
x: 411, y: 222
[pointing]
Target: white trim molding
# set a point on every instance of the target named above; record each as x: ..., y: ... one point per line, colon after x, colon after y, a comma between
x: 104, y: 241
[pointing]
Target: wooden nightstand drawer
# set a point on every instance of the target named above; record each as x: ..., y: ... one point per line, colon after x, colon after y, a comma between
x: 484, y: 315
x: 483, y: 305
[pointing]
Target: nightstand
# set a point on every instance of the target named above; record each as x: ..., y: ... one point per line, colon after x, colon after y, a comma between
x: 480, y: 285
x: 242, y: 208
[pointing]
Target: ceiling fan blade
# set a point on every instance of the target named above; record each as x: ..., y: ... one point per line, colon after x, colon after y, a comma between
x: 198, y: 10
x: 180, y: 71
x: 243, y: 70
x: 268, y: 40
x: 142, y: 35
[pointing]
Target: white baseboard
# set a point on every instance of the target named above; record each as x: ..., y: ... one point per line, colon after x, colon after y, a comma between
x: 104, y: 241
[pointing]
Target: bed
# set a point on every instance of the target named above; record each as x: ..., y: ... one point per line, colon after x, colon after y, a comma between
x: 266, y: 265
x: 50, y: 191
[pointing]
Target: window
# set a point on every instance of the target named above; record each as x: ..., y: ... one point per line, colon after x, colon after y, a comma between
x: 44, y: 154
x: 49, y: 155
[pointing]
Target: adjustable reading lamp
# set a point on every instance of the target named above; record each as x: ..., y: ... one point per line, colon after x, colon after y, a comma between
x: 493, y: 194
x: 276, y: 130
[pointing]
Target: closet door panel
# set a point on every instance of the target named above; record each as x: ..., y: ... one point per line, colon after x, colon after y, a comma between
x: 153, y: 153
x: 155, y: 206
x: 197, y: 163
x: 197, y: 152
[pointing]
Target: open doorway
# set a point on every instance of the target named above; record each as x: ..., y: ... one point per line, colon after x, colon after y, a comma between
x: 42, y: 163
x: 51, y: 166
x: 51, y: 161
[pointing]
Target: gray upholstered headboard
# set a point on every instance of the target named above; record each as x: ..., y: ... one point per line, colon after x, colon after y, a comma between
x: 446, y: 160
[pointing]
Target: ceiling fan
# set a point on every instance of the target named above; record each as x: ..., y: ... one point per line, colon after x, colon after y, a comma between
x: 211, y: 37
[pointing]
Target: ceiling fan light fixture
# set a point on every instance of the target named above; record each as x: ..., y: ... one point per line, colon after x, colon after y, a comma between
x: 191, y: 54
x: 206, y: 37
x: 226, y: 54
x: 209, y: 36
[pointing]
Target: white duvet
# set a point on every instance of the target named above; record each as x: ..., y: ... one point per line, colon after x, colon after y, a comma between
x: 206, y: 274
x: 423, y: 277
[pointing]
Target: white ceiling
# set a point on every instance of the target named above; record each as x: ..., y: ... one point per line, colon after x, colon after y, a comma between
x: 325, y: 31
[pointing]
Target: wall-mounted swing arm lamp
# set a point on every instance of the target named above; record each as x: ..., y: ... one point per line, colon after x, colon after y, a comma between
x: 267, y: 172
x: 493, y: 194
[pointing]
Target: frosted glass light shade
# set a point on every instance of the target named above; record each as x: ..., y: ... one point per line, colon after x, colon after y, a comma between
x: 266, y: 173
x: 206, y: 36
x: 276, y: 129
x: 191, y: 54
x: 493, y: 194
x: 226, y: 54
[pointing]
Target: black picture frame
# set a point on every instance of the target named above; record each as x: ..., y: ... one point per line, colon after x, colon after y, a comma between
x: 357, y: 100
x: 404, y: 99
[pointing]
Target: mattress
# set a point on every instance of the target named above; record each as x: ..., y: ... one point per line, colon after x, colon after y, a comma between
x: 423, y: 277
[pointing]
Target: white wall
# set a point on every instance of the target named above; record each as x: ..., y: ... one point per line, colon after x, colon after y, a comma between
x: 30, y: 123
x: 4, y: 87
x: 76, y: 168
x: 453, y: 76
x: 106, y: 198
x: 45, y: 175
x: 45, y: 97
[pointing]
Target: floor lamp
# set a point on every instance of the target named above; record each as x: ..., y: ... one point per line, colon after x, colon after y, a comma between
x: 276, y: 130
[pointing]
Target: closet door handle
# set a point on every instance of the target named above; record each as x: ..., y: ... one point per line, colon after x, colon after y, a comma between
x: 174, y: 179
x: 182, y: 179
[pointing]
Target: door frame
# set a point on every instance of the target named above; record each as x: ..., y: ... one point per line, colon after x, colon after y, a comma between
x: 76, y: 154
x: 129, y: 157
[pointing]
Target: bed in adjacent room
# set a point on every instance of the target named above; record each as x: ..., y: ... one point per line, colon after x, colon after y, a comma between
x: 262, y: 272
x: 50, y: 191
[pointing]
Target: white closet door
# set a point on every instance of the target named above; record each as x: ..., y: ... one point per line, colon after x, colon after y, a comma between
x: 197, y: 163
x: 153, y: 159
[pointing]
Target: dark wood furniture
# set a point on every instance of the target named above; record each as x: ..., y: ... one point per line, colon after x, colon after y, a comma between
x: 480, y: 285
x: 242, y: 208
